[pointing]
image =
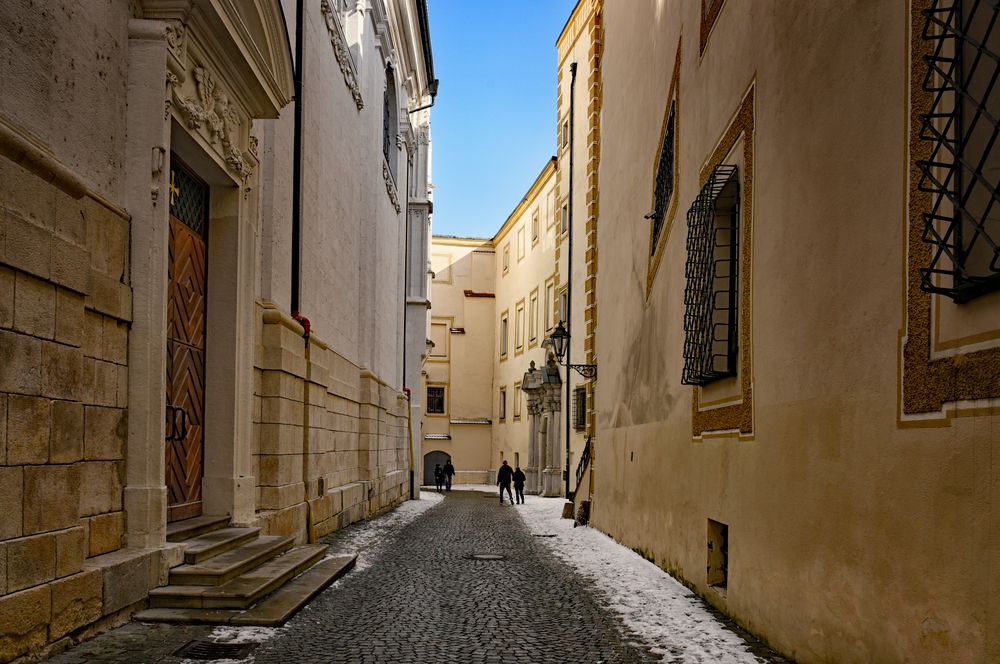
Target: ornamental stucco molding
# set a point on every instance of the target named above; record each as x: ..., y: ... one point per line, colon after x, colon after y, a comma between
x: 207, y: 108
x: 340, y: 51
x: 390, y: 186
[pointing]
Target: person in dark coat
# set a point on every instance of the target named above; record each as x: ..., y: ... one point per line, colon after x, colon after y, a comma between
x: 449, y: 470
x: 519, y: 485
x: 438, y: 476
x: 504, y: 476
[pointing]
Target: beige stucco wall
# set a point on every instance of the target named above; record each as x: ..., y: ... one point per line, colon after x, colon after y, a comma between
x: 461, y: 316
x: 529, y: 272
x: 575, y: 45
x: 856, y: 534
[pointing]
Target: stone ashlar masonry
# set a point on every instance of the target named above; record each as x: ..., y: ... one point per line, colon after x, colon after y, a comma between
x: 330, y: 439
x: 65, y: 306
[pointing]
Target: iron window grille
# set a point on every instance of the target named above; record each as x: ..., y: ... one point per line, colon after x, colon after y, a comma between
x: 580, y: 408
x: 188, y: 196
x: 664, y: 180
x: 435, y: 400
x: 712, y: 274
x: 962, y: 172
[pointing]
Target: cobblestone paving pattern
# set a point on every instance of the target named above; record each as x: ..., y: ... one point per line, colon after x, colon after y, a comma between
x: 424, y: 599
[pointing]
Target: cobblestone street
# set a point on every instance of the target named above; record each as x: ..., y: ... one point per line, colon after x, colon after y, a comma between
x: 424, y: 598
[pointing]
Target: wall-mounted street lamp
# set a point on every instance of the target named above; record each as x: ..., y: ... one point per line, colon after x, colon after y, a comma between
x: 559, y: 342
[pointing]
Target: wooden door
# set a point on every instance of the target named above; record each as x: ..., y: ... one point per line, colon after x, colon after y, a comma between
x: 187, y: 275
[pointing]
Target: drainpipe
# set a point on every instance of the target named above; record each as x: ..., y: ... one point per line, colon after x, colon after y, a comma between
x: 297, y: 163
x: 569, y: 265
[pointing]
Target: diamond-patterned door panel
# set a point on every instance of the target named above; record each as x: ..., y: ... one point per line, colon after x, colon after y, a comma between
x: 185, y: 371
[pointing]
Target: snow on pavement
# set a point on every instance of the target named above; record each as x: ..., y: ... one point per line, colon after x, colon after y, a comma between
x: 668, y: 617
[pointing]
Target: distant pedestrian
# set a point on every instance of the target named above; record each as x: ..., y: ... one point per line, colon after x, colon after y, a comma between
x: 504, y: 475
x: 438, y: 476
x: 519, y: 485
x: 449, y: 470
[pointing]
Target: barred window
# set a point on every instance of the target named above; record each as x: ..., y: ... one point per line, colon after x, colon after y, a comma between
x: 435, y: 400
x: 712, y: 274
x: 580, y: 408
x: 664, y: 180
x: 962, y: 172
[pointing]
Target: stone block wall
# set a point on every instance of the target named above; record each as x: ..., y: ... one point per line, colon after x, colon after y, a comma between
x: 331, y: 442
x: 65, y: 307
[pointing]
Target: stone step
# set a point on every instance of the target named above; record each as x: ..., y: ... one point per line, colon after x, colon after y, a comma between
x: 178, y: 531
x: 225, y: 566
x: 281, y: 605
x: 219, y: 541
x: 273, y: 611
x: 244, y: 590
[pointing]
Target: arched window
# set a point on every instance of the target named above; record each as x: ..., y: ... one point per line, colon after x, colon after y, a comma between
x: 390, y: 121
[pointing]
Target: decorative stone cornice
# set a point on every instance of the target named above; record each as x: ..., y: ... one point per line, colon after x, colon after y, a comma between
x: 341, y: 52
x: 210, y: 110
x: 390, y: 186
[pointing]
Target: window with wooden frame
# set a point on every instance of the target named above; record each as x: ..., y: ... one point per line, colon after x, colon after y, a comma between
x: 519, y: 327
x: 962, y: 173
x: 533, y: 317
x: 550, y: 303
x: 502, y: 404
x: 436, y: 400
x: 504, y: 317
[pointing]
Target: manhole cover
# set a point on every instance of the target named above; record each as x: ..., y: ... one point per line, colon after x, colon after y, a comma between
x: 487, y: 556
x: 201, y: 649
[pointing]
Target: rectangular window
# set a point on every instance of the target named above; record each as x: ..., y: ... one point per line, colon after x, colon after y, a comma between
x: 580, y: 408
x: 550, y: 303
x: 519, y: 327
x: 664, y: 180
x: 439, y: 337
x: 506, y: 258
x: 565, y: 133
x: 520, y: 244
x: 435, y: 399
x: 564, y: 224
x: 962, y: 173
x: 534, y: 226
x: 533, y: 317
x: 712, y: 270
x: 502, y: 405
x: 503, y: 334
x: 517, y: 401
x: 560, y: 314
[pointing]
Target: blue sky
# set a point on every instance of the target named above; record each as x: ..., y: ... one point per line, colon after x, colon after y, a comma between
x: 494, y: 122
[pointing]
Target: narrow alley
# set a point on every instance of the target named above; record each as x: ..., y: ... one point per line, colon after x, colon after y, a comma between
x: 422, y: 593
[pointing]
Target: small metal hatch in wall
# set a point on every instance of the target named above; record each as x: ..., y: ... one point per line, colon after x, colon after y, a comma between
x: 208, y: 650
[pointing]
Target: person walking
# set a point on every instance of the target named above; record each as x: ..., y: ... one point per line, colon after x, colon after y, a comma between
x: 449, y: 470
x: 438, y: 476
x: 519, y: 485
x: 504, y: 476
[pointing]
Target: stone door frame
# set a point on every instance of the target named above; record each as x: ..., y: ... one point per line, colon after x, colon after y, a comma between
x: 193, y: 91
